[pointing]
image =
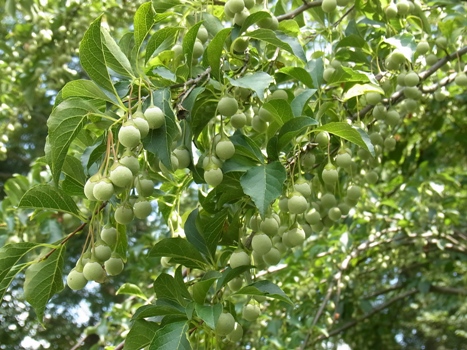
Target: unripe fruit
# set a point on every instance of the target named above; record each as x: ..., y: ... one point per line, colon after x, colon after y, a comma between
x: 114, y: 266
x: 235, y: 284
x: 265, y: 115
x: 313, y: 217
x: 411, y: 79
x: 328, y: 5
x: 293, y: 237
x: 238, y: 120
x: 461, y: 79
x: 345, y: 208
x: 129, y: 135
x: 198, y: 49
x: 379, y: 112
x: 109, y: 235
x: 225, y: 324
x: 441, y: 42
x: 373, y: 98
x: 225, y: 149
x: 144, y: 186
x: 211, y: 161
x: 330, y: 175
x: 371, y: 177
x: 334, y: 213
x: 393, y: 117
x: 258, y: 124
x: 213, y: 176
x: 76, y: 280
x: 261, y: 243
x: 431, y: 59
x: 142, y: 125
x: 376, y: 138
x: 120, y: 175
x: 297, y: 204
x: 103, y: 190
x: 308, y: 160
x: 142, y: 208
x: 323, y: 139
x: 302, y: 187
x: 131, y: 162
x: 202, y: 34
x: 235, y: 6
x: 403, y: 7
x: 269, y: 226
x: 389, y: 143
x: 88, y: 190
x: 102, y: 252
x: 391, y: 11
x: 251, y: 312
x: 183, y: 156
x: 412, y: 92
x: 279, y: 95
x: 240, y: 44
x: 123, y: 215
x: 155, y: 117
x: 273, y: 257
x: 328, y: 200
x: 268, y: 23
x: 422, y: 47
x: 227, y: 106
x: 93, y: 271
x: 239, y: 258
x: 328, y: 73
x: 343, y: 160
x: 354, y: 192
x: 410, y: 105
x: 236, y: 334
x: 239, y: 18
x: 249, y: 3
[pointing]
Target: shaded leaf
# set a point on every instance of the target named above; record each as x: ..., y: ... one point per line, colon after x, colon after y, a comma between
x: 213, y: 52
x: 180, y: 250
x: 131, y: 289
x: 209, y: 313
x: 267, y: 289
x: 140, y: 335
x: 171, y: 337
x: 258, y: 82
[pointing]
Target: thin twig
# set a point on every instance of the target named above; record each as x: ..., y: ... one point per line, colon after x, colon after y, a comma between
x: 299, y: 10
x: 343, y: 16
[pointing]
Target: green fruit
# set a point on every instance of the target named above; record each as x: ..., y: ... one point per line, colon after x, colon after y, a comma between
x: 344, y: 160
x: 120, y: 175
x: 279, y: 95
x: 371, y: 177
x: 102, y: 252
x: 411, y: 105
x: 225, y: 149
x: 123, y: 215
x: 330, y: 175
x: 334, y: 213
x: 103, y: 190
x: 93, y: 271
x: 88, y: 190
x: 236, y: 334
x: 376, y: 138
x: 303, y: 188
x: 269, y: 23
x: 240, y: 44
x: 354, y: 192
x: 254, y: 223
x: 323, y: 139
x: 109, y: 235
x: 131, y: 162
x: 198, y: 49
x: 213, y: 176
x: 183, y: 156
x: 238, y: 120
x: 239, y: 258
x: 202, y: 34
x: 342, y: 2
x: 239, y: 18
x: 403, y: 7
x: 235, y: 6
x: 422, y: 47
x: 165, y: 262
x: 293, y: 237
x: 390, y: 143
x: 328, y: 5
x: 129, y: 135
x: 328, y: 200
x: 227, y: 106
x: 412, y: 92
x: 411, y: 79
x: 328, y: 74
x: 345, y: 208
x: 373, y: 98
x: 431, y: 59
x: 393, y: 117
x: 142, y: 125
x: 114, y: 266
x: 235, y: 284
x: 391, y: 11
x: 142, y: 208
x: 76, y: 280
x: 313, y: 217
x: 379, y: 112
x: 155, y: 117
x: 273, y: 257
x: 258, y: 124
x: 144, y: 186
x: 297, y: 204
x: 211, y: 161
x: 308, y: 160
x: 178, y: 52
x: 261, y: 243
x: 265, y: 115
x: 269, y: 226
x: 461, y: 79
x: 251, y: 312
x: 225, y: 324
x: 441, y: 42
x: 249, y: 3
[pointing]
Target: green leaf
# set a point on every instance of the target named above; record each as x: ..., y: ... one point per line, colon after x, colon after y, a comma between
x: 258, y: 82
x: 164, y: 5
x: 352, y: 41
x: 245, y: 146
x: 161, y: 40
x: 121, y: 247
x: 180, y: 250
x: 209, y: 313
x: 405, y: 43
x: 43, y: 280
x: 292, y: 128
x: 348, y: 75
x: 142, y: 23
x: 280, y: 110
x: 92, y: 58
x: 47, y: 197
x: 159, y: 141
x: 10, y: 256
x: 115, y: 59
x: 299, y: 102
x: 72, y: 168
x: 229, y: 274
x: 140, y: 335
x: 131, y: 289
x: 86, y: 89
x: 269, y: 36
x: 252, y: 19
x: 349, y: 133
x: 298, y: 73
x: 213, y: 52
x: 201, y: 288
x: 267, y: 289
x: 194, y: 236
x: 171, y: 337
x: 361, y: 89
x: 264, y: 184
x: 188, y: 42
x: 65, y: 123
x: 166, y: 287
x: 152, y: 310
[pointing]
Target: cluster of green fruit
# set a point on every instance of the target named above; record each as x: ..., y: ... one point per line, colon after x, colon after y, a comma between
x: 403, y: 8
x: 330, y: 5
x: 98, y: 262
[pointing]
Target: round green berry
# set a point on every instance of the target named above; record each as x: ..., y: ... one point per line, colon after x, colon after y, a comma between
x: 103, y: 190
x: 213, y: 176
x: 239, y: 258
x: 76, y: 280
x: 114, y: 266
x: 129, y: 135
x: 225, y: 324
x: 142, y: 208
x: 155, y: 117
x: 251, y: 312
x: 93, y: 271
x: 261, y: 243
x: 227, y: 106
x: 123, y: 215
x: 297, y: 204
x: 225, y: 149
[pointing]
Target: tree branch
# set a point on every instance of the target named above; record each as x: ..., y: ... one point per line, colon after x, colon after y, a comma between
x: 448, y: 290
x: 292, y: 14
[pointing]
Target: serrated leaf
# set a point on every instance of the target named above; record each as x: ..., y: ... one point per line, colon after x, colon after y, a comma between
x: 86, y: 89
x: 209, y: 313
x: 280, y: 110
x: 292, y: 128
x: 245, y: 146
x: 361, y: 89
x: 258, y: 82
x: 194, y: 236
x: 171, y: 337
x: 92, y: 58
x: 164, y: 5
x: 201, y: 288
x: 298, y: 73
x: 140, y: 335
x: 300, y: 101
x: 349, y: 133
x: 43, y: 280
x: 180, y: 250
x: 115, y: 59
x: 161, y: 40
x: 213, y: 52
x: 267, y: 289
x: 131, y: 289
x: 65, y: 123
x: 47, y: 197
x: 72, y: 168
x: 10, y: 256
x: 264, y: 184
x: 269, y: 36
x: 166, y: 287
x: 142, y: 23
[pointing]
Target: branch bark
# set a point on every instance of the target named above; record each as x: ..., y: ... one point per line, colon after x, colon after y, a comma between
x: 306, y: 5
